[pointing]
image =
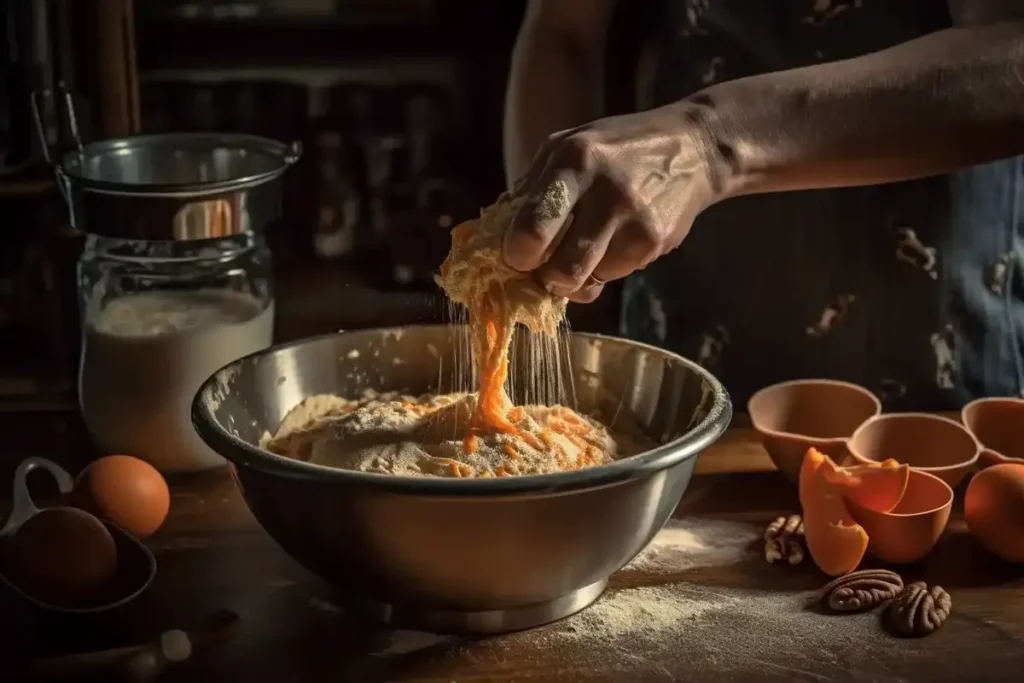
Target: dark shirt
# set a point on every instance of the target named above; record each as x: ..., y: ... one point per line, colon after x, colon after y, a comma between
x: 914, y: 290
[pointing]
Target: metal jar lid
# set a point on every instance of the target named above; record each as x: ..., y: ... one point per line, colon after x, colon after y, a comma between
x: 177, y: 164
x: 180, y: 186
x: 174, y: 186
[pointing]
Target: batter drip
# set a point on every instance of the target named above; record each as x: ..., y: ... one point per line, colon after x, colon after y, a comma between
x: 497, y: 297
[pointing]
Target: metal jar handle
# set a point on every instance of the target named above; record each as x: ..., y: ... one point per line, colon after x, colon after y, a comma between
x: 39, y: 98
x: 294, y: 152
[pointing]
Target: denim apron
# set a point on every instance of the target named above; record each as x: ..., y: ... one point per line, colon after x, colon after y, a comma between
x: 914, y: 290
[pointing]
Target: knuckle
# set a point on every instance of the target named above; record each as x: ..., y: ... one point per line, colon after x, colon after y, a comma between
x: 527, y: 229
x: 520, y: 185
x: 589, y: 294
x: 579, y: 153
x: 645, y: 239
x: 571, y: 272
x: 553, y: 139
x: 563, y: 275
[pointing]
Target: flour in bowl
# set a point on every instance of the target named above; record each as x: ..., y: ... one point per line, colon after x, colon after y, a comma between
x: 432, y: 436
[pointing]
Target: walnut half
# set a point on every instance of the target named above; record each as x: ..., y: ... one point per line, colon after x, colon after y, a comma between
x: 861, y: 590
x: 784, y: 540
x: 919, y: 610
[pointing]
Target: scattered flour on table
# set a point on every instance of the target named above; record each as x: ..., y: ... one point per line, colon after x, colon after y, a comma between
x: 650, y: 610
x: 393, y: 642
x: 695, y: 542
x: 707, y: 630
x: 714, y: 629
x: 403, y: 642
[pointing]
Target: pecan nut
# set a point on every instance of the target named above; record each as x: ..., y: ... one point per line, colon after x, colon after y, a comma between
x: 919, y: 610
x: 861, y: 590
x: 784, y: 540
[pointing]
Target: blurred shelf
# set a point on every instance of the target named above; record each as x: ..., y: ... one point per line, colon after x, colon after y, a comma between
x: 188, y: 44
x: 27, y: 180
x: 324, y: 297
x: 25, y: 187
x: 31, y: 397
x: 256, y: 11
x: 383, y: 72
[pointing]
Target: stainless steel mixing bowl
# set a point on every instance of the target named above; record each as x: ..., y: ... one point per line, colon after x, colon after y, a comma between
x: 460, y: 555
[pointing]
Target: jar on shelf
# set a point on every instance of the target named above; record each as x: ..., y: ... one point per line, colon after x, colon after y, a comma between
x: 175, y: 280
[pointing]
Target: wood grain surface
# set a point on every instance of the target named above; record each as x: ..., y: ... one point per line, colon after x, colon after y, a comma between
x: 706, y: 611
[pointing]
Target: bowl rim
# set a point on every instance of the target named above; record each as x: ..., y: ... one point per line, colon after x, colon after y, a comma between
x: 914, y: 472
x: 929, y: 469
x: 685, y: 447
x: 758, y: 426
x: 980, y: 403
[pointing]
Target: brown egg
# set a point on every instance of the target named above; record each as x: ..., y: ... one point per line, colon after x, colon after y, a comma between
x: 63, y: 556
x: 994, y: 509
x: 129, y: 492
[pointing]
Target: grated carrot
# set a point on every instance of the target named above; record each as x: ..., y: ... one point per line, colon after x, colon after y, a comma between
x: 531, y: 441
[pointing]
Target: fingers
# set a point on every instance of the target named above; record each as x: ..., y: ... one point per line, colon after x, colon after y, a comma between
x: 587, y: 293
x: 534, y: 230
x: 634, y: 245
x: 584, y: 244
x: 538, y: 164
x: 580, y: 223
x: 551, y: 194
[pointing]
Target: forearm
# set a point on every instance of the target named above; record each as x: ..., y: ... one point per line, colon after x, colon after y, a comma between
x: 950, y: 99
x: 553, y: 85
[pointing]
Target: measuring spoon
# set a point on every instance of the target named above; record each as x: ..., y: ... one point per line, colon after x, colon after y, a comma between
x: 136, y: 565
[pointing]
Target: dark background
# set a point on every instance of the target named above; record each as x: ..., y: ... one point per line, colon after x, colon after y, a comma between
x: 397, y: 102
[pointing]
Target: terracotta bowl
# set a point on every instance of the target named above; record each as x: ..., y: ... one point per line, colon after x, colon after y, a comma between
x: 793, y: 416
x: 912, y: 529
x: 998, y: 425
x: 928, y: 443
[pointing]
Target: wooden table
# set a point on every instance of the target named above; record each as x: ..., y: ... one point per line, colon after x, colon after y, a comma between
x: 733, y: 617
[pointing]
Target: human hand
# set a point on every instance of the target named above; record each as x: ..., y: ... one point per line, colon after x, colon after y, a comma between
x: 606, y: 199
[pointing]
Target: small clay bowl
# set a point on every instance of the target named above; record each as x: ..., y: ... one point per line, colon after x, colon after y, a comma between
x: 793, y: 416
x: 998, y: 425
x: 912, y: 528
x: 928, y: 443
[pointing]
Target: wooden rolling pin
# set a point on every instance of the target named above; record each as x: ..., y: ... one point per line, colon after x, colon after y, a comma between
x: 143, y: 663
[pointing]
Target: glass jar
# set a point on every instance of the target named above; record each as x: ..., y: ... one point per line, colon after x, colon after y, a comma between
x: 158, y: 318
x: 175, y: 278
